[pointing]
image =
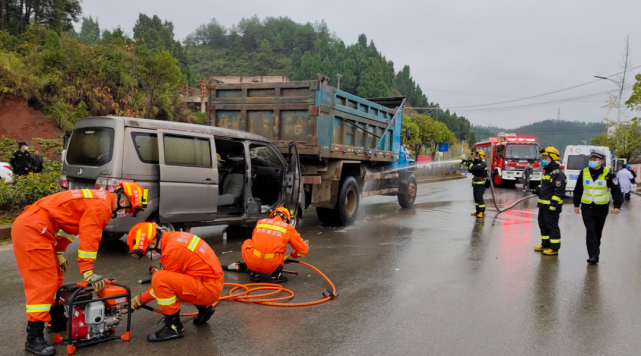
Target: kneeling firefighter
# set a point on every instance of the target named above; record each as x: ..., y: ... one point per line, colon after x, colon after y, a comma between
x: 478, y: 168
x: 550, y: 202
x: 39, y: 250
x: 190, y: 273
x: 265, y: 251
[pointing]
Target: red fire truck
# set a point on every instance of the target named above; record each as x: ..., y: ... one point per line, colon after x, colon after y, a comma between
x: 511, y: 155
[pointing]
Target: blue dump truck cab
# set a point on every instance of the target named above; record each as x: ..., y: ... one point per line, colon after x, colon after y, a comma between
x: 349, y: 147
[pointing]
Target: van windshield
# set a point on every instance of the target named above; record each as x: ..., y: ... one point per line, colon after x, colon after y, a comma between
x: 577, y: 163
x: 523, y: 152
x: 91, y: 146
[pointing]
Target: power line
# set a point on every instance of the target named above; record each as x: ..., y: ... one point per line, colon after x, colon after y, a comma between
x: 539, y: 95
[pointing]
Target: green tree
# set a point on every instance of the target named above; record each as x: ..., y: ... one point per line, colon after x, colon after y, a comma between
x: 414, y: 143
x: 89, y: 31
x: 433, y: 133
x: 57, y: 15
x: 600, y: 140
x: 626, y: 140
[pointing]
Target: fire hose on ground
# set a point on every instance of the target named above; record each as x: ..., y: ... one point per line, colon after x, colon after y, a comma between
x: 270, y: 290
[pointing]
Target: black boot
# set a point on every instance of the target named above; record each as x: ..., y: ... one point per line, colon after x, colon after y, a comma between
x: 204, y: 313
x: 593, y: 260
x: 173, y: 329
x: 36, y: 342
x: 277, y: 276
x: 255, y: 277
x: 58, y: 321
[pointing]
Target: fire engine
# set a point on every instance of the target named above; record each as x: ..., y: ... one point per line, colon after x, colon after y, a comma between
x: 511, y: 155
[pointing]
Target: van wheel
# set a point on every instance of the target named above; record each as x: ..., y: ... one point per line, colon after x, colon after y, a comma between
x: 347, y: 204
x: 111, y: 236
x: 164, y: 226
x: 407, y: 200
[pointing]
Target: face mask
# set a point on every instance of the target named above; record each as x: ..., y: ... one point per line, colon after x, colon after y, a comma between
x: 121, y: 214
x: 593, y: 164
x: 544, y: 163
x: 152, y: 255
x: 26, y: 148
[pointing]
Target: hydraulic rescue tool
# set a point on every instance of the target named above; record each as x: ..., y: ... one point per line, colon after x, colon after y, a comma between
x: 91, y: 317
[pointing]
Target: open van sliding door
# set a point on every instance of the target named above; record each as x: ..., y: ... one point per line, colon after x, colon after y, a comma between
x: 188, y: 177
x: 292, y: 182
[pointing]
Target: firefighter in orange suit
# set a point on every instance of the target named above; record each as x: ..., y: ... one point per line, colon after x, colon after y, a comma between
x: 190, y: 273
x: 39, y: 251
x: 265, y: 251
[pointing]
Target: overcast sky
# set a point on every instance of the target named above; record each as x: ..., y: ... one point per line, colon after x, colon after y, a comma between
x: 462, y: 53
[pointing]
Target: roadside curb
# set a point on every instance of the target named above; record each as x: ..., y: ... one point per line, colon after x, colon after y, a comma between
x: 436, y: 180
x: 5, y: 231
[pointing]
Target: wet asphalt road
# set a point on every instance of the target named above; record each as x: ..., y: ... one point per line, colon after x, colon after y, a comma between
x: 431, y: 280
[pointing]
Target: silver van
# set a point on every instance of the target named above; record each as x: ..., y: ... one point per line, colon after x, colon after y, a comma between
x: 195, y: 175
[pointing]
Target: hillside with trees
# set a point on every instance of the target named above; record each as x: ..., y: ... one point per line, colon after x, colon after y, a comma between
x: 557, y: 133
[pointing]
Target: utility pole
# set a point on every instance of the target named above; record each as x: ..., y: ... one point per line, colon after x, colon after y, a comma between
x: 621, y: 83
x: 585, y: 143
x: 338, y: 85
x: 558, y: 115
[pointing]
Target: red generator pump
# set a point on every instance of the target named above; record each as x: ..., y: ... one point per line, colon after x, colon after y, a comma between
x: 92, y: 317
x: 79, y: 328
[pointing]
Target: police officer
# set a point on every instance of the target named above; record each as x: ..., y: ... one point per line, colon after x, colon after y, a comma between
x: 550, y: 202
x: 478, y: 168
x: 591, y: 195
x: 21, y: 160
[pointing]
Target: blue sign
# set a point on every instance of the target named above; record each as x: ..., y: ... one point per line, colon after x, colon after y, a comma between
x: 443, y: 147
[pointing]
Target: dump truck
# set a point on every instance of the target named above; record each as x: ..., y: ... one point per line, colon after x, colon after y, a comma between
x: 349, y: 147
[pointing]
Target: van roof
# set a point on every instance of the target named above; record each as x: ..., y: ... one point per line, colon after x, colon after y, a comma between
x: 171, y: 125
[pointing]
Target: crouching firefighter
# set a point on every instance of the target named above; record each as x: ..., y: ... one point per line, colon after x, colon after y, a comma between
x: 190, y: 273
x: 550, y: 202
x: 265, y: 251
x: 39, y: 250
x: 478, y: 168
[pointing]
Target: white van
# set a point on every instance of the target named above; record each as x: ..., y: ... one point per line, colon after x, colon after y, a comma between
x: 576, y: 158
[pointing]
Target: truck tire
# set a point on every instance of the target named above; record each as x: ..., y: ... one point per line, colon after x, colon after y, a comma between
x: 497, y: 180
x: 347, y: 203
x: 407, y: 200
x: 111, y: 236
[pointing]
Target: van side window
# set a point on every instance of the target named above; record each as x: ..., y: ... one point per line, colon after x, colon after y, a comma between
x: 146, y: 146
x: 187, y: 151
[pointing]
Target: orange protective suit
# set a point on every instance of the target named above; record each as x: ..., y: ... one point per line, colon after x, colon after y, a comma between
x: 84, y: 212
x: 266, y: 250
x: 192, y: 273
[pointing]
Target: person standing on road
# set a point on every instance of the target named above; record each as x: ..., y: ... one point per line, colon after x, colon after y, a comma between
x: 478, y: 168
x: 21, y: 160
x: 633, y: 181
x: 527, y: 173
x: 37, y: 163
x: 550, y: 201
x: 190, y: 272
x: 265, y: 251
x: 39, y: 251
x: 592, y: 200
x: 625, y: 182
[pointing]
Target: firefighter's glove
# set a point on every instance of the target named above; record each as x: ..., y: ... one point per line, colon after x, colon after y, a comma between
x: 136, y: 303
x: 289, y: 258
x: 97, y: 282
x: 62, y: 261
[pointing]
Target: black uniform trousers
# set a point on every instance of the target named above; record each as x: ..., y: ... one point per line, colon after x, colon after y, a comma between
x: 549, y: 225
x: 479, y: 191
x: 594, y: 221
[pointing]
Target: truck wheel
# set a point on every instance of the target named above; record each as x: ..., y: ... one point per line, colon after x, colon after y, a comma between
x: 111, y: 236
x: 349, y: 199
x: 497, y: 180
x: 407, y: 200
x: 326, y: 216
x: 347, y: 204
